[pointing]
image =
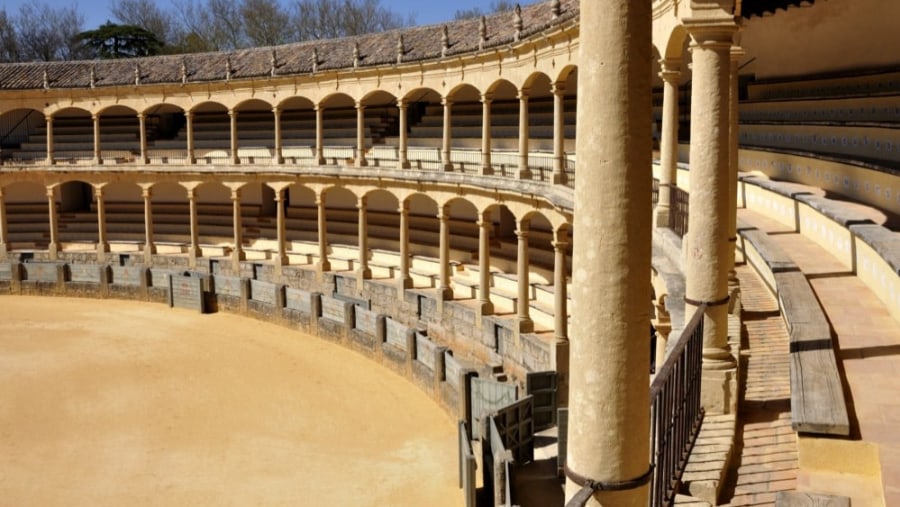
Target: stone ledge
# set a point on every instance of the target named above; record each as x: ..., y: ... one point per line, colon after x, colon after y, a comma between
x: 708, y: 463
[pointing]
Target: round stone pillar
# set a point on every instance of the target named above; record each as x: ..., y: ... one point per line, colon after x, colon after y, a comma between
x: 523, y: 303
x: 363, y: 272
x: 706, y: 246
x: 237, y: 254
x: 50, y: 154
x: 444, y: 291
x: 484, y: 263
x: 194, y: 251
x: 403, y: 151
x: 232, y: 115
x: 98, y: 159
x: 149, y: 245
x: 404, y: 280
x: 524, y: 172
x: 361, y: 135
x: 142, y: 126
x: 278, y: 157
x: 559, y: 133
x: 323, y: 264
x: 668, y: 141
x: 53, y: 247
x: 448, y: 133
x: 320, y: 129
x: 281, y: 257
x: 609, y: 405
x: 559, y: 351
x: 102, y: 243
x: 486, y: 167
x: 189, y: 128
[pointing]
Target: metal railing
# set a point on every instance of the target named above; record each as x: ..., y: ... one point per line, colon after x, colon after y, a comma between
x: 678, y: 210
x: 675, y: 411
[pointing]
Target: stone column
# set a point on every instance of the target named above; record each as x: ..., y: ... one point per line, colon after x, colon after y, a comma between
x: 663, y: 327
x: 448, y: 133
x: 733, y: 133
x: 277, y: 158
x: 486, y: 167
x: 4, y: 230
x: 189, y: 127
x: 668, y: 143
x: 403, y: 150
x: 194, y: 251
x: 281, y: 257
x: 237, y: 255
x: 524, y: 172
x: 102, y: 243
x: 53, y: 247
x: 323, y: 264
x: 363, y: 273
x: 320, y: 128
x: 484, y: 263
x: 445, y: 292
x: 559, y: 133
x: 232, y: 115
x: 149, y: 245
x: 609, y: 405
x: 98, y: 159
x: 523, y: 308
x: 142, y: 125
x: 706, y: 247
x: 361, y: 135
x: 50, y: 159
x: 404, y: 280
x: 559, y: 352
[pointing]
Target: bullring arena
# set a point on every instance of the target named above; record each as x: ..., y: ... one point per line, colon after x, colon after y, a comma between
x: 496, y: 210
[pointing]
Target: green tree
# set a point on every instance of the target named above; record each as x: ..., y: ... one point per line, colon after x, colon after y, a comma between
x: 120, y: 41
x: 476, y: 12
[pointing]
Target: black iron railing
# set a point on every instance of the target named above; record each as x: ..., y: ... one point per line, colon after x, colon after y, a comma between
x: 655, y: 196
x: 675, y: 411
x: 678, y: 210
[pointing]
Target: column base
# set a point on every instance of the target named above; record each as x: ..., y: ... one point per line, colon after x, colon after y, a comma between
x: 445, y: 293
x: 405, y: 283
x: 194, y: 251
x: 280, y: 260
x: 364, y: 274
x: 718, y: 391
x: 320, y: 161
x: 404, y: 164
x: 486, y: 170
x: 149, y: 251
x: 523, y: 174
x: 102, y: 248
x: 526, y: 325
x: 279, y: 160
x: 487, y: 308
x: 192, y: 161
x: 448, y: 167
x: 560, y: 178
x: 323, y: 266
x: 238, y: 255
x: 560, y: 363
x: 362, y: 163
x: 661, y: 216
x: 53, y: 251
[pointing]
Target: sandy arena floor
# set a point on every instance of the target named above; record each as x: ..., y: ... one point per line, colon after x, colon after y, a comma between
x: 121, y: 403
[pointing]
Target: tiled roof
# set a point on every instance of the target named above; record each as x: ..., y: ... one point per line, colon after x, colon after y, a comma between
x: 419, y: 43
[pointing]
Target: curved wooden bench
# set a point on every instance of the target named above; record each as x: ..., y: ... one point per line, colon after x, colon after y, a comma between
x: 817, y: 395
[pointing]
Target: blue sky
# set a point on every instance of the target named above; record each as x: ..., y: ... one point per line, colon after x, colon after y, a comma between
x: 426, y: 12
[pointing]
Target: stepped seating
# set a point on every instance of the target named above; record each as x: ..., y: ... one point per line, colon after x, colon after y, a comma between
x: 852, y: 117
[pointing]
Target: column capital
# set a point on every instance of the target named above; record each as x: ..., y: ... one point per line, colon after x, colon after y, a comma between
x: 98, y: 191
x: 712, y: 32
x: 402, y: 103
x: 236, y: 194
x: 559, y: 246
x: 487, y: 98
x: 279, y: 195
x: 446, y: 101
x: 318, y: 107
x: 50, y: 191
x: 522, y: 94
x: 48, y: 118
x: 443, y: 213
x: 189, y: 114
x: 232, y: 112
x: 95, y: 116
x: 359, y: 104
x: 361, y: 202
x: 191, y: 193
x: 276, y: 110
x: 737, y: 53
x: 558, y: 88
x: 141, y: 116
x: 147, y: 193
x: 670, y: 69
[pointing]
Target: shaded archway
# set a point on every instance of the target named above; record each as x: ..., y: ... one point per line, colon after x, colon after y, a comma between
x: 119, y: 129
x: 23, y: 136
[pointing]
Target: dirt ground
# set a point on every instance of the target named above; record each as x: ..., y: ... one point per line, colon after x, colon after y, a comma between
x: 122, y: 403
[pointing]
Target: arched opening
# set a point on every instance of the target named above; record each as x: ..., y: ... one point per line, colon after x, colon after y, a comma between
x: 123, y: 204
x: 120, y: 134
x: 382, y: 122
x: 339, y: 128
x: 27, y: 218
x: 425, y: 122
x: 23, y: 136
x: 255, y: 130
x: 211, y: 133
x: 166, y: 134
x: 73, y: 136
x: 298, y: 130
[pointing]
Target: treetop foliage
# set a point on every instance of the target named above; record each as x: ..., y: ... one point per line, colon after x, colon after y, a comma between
x: 39, y: 32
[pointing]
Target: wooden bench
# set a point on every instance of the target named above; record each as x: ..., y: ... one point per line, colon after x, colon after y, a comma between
x: 800, y: 499
x: 817, y: 395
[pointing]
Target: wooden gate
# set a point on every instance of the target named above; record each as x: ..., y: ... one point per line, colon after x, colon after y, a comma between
x: 488, y: 396
x: 515, y: 424
x: 542, y: 386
